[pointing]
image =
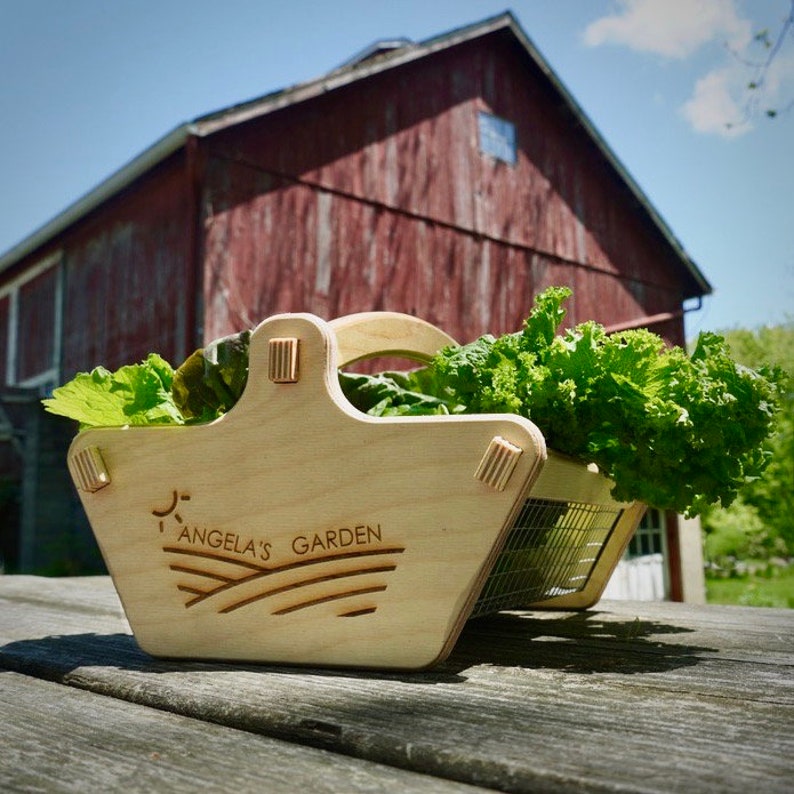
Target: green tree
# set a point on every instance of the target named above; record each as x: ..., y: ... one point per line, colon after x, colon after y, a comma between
x: 761, y: 520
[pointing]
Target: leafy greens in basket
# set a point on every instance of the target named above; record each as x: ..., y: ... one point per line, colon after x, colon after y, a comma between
x: 676, y: 431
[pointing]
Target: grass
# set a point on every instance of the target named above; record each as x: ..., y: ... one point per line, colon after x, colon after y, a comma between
x: 773, y: 587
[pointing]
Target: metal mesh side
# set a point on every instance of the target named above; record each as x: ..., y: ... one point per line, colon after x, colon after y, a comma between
x: 550, y: 550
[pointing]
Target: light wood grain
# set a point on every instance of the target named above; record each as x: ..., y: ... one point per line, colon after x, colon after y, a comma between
x: 299, y: 530
x: 368, y: 334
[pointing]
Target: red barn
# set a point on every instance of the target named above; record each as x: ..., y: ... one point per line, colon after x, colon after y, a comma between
x: 451, y: 179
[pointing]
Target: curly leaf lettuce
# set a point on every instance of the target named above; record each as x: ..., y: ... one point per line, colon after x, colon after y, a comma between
x: 678, y: 432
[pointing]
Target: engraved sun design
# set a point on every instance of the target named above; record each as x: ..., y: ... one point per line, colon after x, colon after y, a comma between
x: 232, y: 581
x: 176, y: 497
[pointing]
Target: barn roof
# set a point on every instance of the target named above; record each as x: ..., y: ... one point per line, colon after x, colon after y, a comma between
x: 379, y: 57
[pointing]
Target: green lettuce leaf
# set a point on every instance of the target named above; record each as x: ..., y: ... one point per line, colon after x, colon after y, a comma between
x: 136, y: 394
x: 211, y: 380
x: 391, y: 394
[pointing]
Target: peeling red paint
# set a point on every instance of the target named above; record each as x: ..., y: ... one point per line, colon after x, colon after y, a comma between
x: 126, y: 278
x: 379, y: 198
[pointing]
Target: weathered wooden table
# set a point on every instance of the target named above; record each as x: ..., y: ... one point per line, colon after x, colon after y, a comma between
x: 652, y: 697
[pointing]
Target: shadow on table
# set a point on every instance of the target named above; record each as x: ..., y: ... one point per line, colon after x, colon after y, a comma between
x: 581, y: 642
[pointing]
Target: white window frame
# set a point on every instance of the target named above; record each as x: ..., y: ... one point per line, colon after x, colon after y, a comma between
x: 653, y: 523
x: 48, y: 378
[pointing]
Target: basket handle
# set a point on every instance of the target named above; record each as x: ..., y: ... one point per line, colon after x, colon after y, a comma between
x: 370, y: 334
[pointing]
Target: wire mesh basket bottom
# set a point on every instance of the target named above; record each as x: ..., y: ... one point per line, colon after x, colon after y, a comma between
x: 551, y: 550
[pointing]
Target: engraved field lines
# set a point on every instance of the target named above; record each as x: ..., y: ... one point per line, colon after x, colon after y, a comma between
x: 233, y: 583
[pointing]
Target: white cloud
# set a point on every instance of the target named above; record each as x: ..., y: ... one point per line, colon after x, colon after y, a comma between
x: 737, y: 90
x: 712, y: 107
x: 672, y: 28
x: 722, y: 104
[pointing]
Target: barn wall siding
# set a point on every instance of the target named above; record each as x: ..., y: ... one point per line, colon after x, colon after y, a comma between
x: 417, y: 151
x: 377, y: 197
x: 128, y: 278
x: 335, y: 255
x: 36, y: 336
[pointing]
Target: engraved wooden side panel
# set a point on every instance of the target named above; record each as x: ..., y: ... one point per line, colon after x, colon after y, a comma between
x: 297, y: 530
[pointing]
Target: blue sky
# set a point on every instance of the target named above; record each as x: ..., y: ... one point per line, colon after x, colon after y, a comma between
x: 88, y: 84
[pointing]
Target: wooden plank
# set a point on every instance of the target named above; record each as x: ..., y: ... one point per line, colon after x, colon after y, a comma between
x: 651, y: 697
x: 93, y: 595
x: 61, y: 739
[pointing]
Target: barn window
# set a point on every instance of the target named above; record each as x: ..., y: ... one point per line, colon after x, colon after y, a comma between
x: 649, y: 537
x: 497, y: 138
x: 31, y: 318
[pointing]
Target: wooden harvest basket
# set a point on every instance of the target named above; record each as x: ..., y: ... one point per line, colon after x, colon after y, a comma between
x: 297, y: 530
